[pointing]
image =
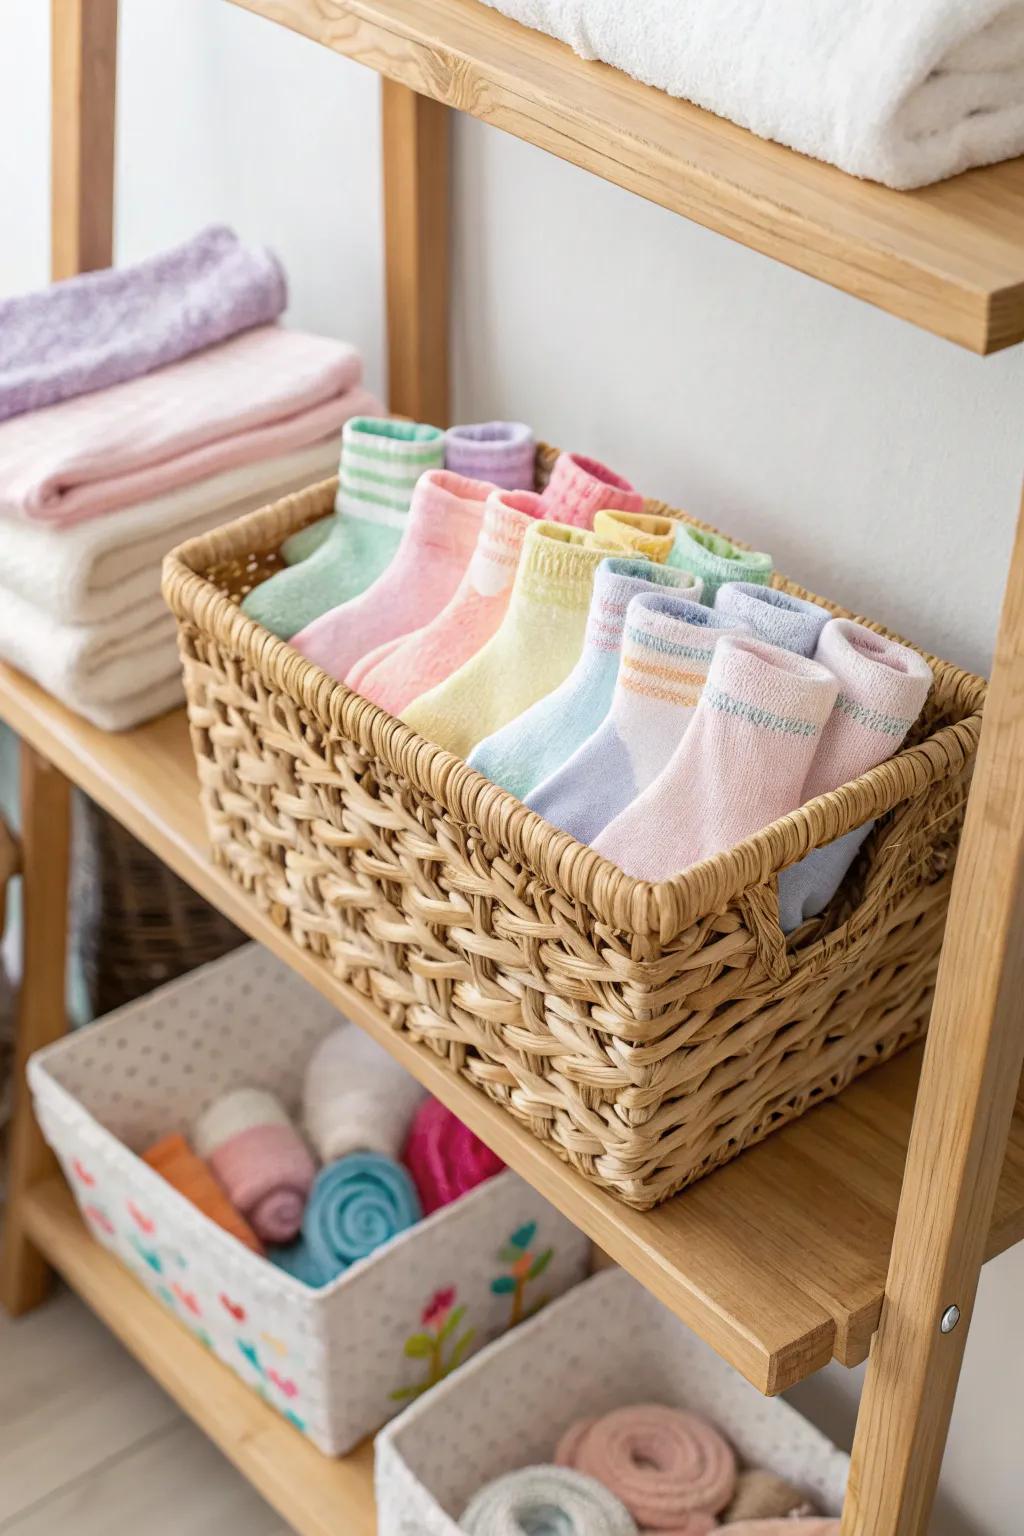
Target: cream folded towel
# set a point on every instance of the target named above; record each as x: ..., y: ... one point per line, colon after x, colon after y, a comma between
x: 904, y: 93
x: 257, y: 396
x: 109, y: 565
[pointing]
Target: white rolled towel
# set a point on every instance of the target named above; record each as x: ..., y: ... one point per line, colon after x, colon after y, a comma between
x: 357, y: 1098
x: 904, y: 93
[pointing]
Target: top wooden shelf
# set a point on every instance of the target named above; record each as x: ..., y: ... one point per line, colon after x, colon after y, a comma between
x: 948, y: 258
x: 779, y: 1259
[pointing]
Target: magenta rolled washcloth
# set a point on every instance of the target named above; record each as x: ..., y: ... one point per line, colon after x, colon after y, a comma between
x: 259, y: 1158
x: 672, y: 1470
x: 444, y: 1157
x: 499, y: 451
x: 102, y: 328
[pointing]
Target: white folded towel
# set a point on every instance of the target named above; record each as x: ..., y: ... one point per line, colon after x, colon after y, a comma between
x: 902, y: 91
x: 109, y: 565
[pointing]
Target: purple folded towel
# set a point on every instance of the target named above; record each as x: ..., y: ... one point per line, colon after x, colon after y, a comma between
x: 105, y: 327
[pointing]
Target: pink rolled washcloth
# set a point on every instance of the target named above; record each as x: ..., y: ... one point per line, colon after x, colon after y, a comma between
x: 444, y: 1157
x: 672, y: 1470
x: 815, y: 1526
x: 258, y: 1156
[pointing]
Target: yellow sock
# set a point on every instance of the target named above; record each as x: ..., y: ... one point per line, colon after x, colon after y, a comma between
x: 640, y: 533
x: 534, y: 648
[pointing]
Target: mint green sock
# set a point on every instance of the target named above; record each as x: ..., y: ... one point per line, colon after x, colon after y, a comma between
x: 380, y: 464
x: 715, y: 560
x: 307, y: 541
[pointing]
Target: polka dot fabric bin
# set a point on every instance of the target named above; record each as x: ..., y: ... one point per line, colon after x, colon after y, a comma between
x: 337, y: 1362
x: 607, y: 1344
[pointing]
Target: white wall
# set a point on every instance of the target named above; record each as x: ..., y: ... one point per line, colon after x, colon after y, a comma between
x: 879, y: 464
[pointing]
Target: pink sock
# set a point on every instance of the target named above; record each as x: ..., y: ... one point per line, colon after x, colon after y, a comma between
x: 579, y: 488
x: 445, y: 515
x: 742, y: 762
x: 395, y: 674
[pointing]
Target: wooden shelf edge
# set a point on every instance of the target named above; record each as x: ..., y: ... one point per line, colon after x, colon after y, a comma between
x: 947, y: 258
x: 316, y: 1494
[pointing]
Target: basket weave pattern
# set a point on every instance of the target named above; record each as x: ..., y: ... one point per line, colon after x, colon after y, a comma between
x: 647, y: 1033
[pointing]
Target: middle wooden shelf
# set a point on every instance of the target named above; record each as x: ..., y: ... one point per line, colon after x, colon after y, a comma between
x: 779, y: 1259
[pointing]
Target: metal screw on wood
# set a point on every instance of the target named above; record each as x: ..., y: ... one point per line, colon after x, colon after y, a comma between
x: 950, y: 1318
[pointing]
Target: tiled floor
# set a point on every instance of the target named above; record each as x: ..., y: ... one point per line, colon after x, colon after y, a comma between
x: 89, y: 1445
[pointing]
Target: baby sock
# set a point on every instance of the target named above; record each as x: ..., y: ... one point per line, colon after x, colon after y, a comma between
x: 439, y: 538
x: 532, y: 746
x: 499, y: 451
x: 533, y: 649
x: 637, y: 531
x: 580, y: 487
x: 396, y: 673
x: 742, y: 762
x: 390, y: 476
x: 715, y: 560
x: 380, y: 463
x: 791, y: 623
x: 882, y: 689
x: 667, y: 647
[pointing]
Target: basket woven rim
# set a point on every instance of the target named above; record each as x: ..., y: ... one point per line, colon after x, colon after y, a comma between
x: 661, y: 909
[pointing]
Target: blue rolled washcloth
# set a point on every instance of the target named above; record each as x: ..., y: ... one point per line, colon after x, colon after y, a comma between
x: 356, y: 1204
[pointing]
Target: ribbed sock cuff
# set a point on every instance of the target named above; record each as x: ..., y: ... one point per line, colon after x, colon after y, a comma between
x: 381, y: 461
x: 500, y: 451
x: 580, y: 487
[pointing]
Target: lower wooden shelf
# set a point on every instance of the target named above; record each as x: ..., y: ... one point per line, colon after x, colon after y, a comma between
x: 778, y: 1260
x: 317, y: 1495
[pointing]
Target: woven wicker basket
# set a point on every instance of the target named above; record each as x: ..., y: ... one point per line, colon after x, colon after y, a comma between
x: 647, y: 1033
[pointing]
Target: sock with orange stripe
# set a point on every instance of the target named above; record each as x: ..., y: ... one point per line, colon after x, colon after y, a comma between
x: 667, y: 647
x: 529, y: 748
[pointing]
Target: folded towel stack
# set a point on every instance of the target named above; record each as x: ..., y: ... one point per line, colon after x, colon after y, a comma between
x: 904, y: 95
x: 140, y: 407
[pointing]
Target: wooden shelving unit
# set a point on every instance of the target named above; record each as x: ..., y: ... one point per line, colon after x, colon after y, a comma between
x: 856, y: 1227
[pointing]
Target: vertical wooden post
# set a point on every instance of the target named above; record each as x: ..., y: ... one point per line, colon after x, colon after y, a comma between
x: 45, y: 847
x: 969, y: 1084
x: 83, y: 64
x: 415, y: 155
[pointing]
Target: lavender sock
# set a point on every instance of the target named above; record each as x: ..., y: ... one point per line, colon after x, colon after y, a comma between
x: 791, y: 623
x: 499, y: 451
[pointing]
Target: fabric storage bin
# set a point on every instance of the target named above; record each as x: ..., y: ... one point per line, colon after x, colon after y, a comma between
x: 606, y: 1345
x: 645, y: 1032
x: 338, y: 1361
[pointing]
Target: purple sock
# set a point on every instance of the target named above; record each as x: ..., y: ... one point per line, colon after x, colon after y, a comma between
x: 499, y: 451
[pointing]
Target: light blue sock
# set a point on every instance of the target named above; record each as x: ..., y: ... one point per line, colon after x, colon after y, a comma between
x: 805, y: 889
x: 536, y: 742
x: 791, y: 623
x: 716, y: 560
x: 667, y: 647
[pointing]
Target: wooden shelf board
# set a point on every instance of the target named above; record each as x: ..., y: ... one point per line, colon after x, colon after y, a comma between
x: 315, y: 1494
x: 949, y: 258
x: 779, y: 1259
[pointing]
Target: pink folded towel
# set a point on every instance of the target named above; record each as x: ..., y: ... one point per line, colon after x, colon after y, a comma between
x: 444, y: 1157
x: 672, y: 1470
x: 263, y: 393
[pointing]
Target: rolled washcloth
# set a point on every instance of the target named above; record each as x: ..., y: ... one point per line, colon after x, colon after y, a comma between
x: 904, y: 95
x: 356, y: 1205
x: 356, y: 1097
x: 499, y: 451
x: 760, y: 1495
x: 546, y: 1501
x: 815, y: 1526
x: 444, y: 1157
x: 174, y: 1160
x: 101, y: 328
x: 258, y: 395
x: 260, y: 1158
x: 672, y: 1470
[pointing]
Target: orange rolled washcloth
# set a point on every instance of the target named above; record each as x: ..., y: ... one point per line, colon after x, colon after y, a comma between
x: 174, y: 1160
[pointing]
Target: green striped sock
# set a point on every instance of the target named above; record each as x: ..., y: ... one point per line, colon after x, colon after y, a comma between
x: 334, y: 560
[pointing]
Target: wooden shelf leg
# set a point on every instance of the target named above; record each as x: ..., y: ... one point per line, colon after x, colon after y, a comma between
x: 45, y: 849
x: 415, y: 151
x: 969, y: 1083
x: 83, y: 65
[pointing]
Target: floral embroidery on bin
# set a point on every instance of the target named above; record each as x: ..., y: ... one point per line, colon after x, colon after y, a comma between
x: 149, y: 1256
x: 251, y: 1353
x: 99, y: 1218
x: 188, y: 1299
x: 82, y: 1173
x: 235, y: 1308
x: 145, y: 1224
x: 284, y: 1384
x: 278, y: 1346
x: 441, y: 1319
x: 293, y: 1418
x: 524, y: 1267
